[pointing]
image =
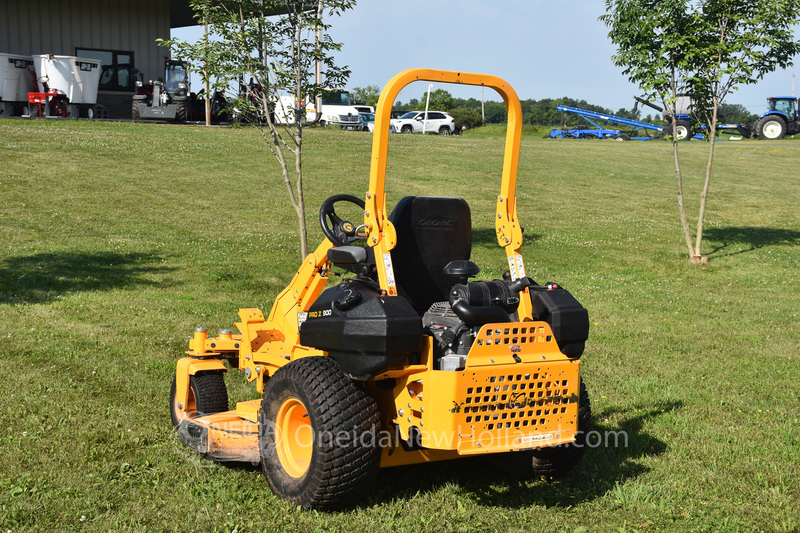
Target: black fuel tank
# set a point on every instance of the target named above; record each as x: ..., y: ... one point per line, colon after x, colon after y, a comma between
x: 568, y: 319
x: 364, y: 331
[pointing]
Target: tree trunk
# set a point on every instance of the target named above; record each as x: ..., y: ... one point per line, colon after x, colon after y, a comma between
x: 681, y: 206
x: 299, y: 117
x: 297, y: 203
x: 301, y: 204
x: 697, y: 257
x: 687, y: 234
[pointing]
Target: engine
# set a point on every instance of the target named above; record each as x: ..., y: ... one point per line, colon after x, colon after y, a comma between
x: 455, y: 323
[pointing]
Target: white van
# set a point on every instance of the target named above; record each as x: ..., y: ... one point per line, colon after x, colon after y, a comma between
x: 336, y: 110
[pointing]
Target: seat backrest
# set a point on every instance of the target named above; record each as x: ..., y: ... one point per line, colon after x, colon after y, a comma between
x: 431, y: 232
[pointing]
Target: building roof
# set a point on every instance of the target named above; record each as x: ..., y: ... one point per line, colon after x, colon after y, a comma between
x: 181, y: 14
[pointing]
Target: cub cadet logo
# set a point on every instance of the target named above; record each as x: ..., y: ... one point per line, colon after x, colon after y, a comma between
x: 520, y: 400
x: 318, y: 314
x: 435, y: 223
x: 348, y: 227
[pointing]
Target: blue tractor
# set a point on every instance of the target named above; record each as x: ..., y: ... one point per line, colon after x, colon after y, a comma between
x: 781, y: 118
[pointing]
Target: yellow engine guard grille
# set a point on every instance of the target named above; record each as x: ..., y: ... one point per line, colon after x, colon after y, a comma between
x: 505, y: 407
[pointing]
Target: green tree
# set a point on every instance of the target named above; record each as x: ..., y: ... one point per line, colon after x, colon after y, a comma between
x: 412, y: 105
x: 277, y: 44
x: 495, y: 112
x: 441, y: 100
x: 466, y: 116
x: 707, y: 48
x: 369, y: 94
x: 735, y: 114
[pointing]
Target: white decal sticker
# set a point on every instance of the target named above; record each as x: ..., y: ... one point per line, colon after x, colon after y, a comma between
x: 512, y: 268
x: 535, y: 438
x: 387, y: 266
x: 520, y: 266
x: 301, y: 317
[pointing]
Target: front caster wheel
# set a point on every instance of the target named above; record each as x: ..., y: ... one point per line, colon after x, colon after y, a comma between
x: 207, y: 395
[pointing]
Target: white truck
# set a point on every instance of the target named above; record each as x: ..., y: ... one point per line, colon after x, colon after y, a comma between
x: 336, y: 110
x: 17, y: 79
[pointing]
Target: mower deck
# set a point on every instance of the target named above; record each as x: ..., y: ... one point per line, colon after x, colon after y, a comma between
x: 498, y: 403
x: 228, y: 436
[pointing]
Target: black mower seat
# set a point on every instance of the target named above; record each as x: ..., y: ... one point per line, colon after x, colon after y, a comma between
x: 431, y: 232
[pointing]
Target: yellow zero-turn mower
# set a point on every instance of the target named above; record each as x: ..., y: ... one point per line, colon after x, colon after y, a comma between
x: 407, y: 361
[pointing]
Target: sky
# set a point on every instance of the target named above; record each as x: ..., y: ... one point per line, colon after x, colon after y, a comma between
x: 543, y: 48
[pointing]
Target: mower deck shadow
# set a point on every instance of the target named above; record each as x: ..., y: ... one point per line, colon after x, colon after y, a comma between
x: 602, y: 467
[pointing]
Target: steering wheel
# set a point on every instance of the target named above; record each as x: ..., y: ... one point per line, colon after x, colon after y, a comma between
x: 342, y: 232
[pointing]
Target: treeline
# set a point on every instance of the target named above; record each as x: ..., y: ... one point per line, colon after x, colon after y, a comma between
x: 536, y: 112
x: 543, y: 112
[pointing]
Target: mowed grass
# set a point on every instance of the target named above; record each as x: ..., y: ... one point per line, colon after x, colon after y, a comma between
x: 116, y: 239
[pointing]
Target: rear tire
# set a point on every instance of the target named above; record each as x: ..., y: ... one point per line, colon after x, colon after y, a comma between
x: 681, y: 129
x: 757, y: 128
x: 207, y: 395
x: 771, y: 127
x: 554, y: 461
x: 180, y: 109
x: 444, y: 130
x: 557, y: 461
x: 318, y: 435
x: 135, y: 107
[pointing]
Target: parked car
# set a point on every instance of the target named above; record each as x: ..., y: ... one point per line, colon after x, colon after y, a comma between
x: 368, y: 123
x: 414, y: 122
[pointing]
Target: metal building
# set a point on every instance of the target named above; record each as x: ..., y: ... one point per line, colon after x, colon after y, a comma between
x: 120, y: 33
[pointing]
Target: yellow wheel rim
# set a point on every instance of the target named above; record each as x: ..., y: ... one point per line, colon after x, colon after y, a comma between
x: 294, y: 437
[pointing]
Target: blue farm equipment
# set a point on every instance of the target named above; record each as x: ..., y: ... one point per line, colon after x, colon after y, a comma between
x: 781, y: 118
x: 600, y: 132
x: 681, y: 125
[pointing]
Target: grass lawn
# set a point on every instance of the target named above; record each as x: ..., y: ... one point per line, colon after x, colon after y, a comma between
x: 116, y: 239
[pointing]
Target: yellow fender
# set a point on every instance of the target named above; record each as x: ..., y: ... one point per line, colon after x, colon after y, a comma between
x: 187, y: 367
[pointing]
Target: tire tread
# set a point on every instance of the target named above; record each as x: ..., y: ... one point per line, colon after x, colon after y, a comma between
x: 210, y: 394
x: 338, y: 474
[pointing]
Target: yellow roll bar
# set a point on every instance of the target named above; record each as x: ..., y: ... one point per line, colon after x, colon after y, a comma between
x: 382, y: 235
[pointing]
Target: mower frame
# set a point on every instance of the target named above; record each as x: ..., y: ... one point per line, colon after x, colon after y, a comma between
x: 518, y: 390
